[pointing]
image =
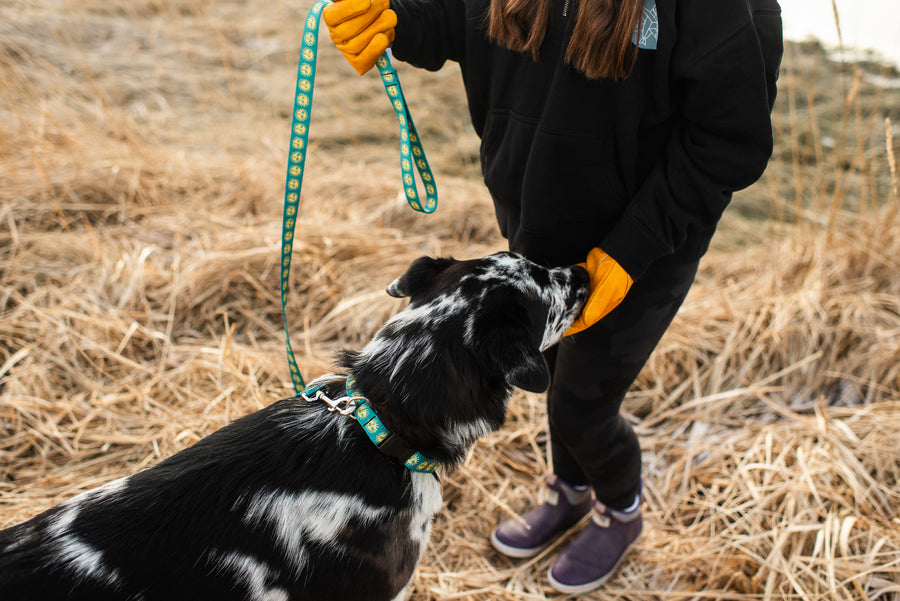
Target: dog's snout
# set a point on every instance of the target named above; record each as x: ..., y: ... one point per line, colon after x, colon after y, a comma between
x: 573, y: 283
x: 577, y: 283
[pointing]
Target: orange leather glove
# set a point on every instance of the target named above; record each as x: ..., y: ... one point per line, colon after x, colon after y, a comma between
x: 361, y: 29
x: 609, y: 285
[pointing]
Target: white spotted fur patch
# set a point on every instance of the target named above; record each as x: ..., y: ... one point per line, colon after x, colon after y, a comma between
x: 251, y: 573
x: 308, y: 516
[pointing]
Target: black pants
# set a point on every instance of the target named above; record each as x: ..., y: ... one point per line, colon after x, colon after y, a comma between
x: 592, y: 370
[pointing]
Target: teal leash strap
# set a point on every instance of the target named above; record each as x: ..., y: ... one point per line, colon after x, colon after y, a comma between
x: 306, y: 75
x: 411, y: 154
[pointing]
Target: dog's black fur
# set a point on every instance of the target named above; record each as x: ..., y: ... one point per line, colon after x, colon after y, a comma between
x: 294, y: 502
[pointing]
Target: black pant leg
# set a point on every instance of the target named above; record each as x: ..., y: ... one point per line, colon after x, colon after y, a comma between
x: 593, y: 370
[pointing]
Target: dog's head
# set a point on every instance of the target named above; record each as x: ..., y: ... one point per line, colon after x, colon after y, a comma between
x: 502, y: 308
x: 441, y: 371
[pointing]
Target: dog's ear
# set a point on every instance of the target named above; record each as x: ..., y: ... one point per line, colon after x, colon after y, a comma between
x: 418, y: 276
x: 510, y: 343
x: 526, y: 368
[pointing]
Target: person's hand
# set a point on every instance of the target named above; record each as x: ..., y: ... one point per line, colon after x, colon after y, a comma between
x: 609, y: 285
x: 361, y: 29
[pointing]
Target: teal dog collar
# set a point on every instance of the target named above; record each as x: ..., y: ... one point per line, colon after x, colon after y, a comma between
x: 390, y: 444
x: 356, y: 404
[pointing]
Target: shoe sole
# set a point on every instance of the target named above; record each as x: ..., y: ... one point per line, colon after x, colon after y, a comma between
x: 576, y: 589
x: 515, y: 552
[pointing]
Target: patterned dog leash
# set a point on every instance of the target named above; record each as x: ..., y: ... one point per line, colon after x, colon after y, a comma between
x: 411, y: 155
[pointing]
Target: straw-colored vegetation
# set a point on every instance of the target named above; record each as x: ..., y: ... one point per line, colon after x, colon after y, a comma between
x: 142, y: 147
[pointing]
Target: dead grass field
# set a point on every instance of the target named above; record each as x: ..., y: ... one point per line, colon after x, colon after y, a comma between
x: 142, y: 148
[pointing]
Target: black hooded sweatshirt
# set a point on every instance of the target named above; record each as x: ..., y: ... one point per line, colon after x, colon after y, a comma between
x: 637, y: 167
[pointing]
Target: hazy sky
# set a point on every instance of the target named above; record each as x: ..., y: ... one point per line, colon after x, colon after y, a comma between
x: 864, y: 23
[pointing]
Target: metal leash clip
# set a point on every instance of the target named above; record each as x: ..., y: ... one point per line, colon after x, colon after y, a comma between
x: 345, y: 405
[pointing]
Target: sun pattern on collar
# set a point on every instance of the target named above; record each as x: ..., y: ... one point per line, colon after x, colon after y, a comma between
x: 378, y: 433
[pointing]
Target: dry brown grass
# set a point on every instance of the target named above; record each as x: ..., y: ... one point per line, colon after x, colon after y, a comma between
x: 141, y: 154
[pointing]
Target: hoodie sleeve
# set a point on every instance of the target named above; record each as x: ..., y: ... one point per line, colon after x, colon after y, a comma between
x: 429, y: 32
x: 724, y: 86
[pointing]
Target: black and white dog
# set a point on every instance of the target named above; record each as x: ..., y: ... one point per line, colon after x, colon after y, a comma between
x: 295, y: 502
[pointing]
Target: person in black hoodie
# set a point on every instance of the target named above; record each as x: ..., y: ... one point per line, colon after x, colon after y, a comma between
x: 613, y: 134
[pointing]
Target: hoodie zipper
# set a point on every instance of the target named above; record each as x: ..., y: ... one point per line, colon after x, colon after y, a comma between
x: 565, y: 8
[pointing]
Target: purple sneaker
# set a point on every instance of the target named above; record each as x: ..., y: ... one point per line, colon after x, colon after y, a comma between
x: 565, y: 505
x: 595, y: 553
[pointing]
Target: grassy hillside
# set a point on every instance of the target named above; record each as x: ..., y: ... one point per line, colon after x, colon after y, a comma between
x: 142, y: 153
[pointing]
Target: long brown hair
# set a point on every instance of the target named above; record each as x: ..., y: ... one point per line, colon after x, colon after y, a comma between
x: 600, y: 46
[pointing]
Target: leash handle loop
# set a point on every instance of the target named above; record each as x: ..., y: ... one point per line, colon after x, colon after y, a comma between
x: 411, y: 151
x: 411, y: 154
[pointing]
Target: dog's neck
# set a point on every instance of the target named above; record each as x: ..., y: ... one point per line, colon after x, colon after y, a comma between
x: 435, y: 412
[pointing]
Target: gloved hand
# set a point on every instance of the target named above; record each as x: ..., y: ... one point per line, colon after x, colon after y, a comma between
x: 609, y: 285
x: 361, y: 29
